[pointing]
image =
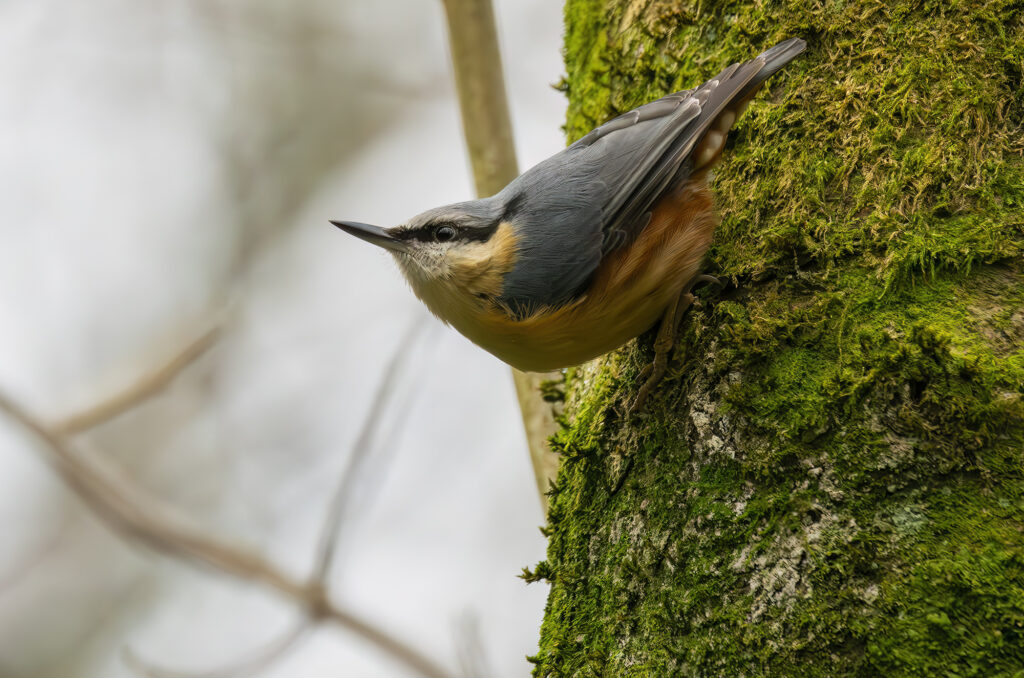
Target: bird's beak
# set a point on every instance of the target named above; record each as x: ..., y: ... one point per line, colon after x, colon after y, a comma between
x: 374, y: 234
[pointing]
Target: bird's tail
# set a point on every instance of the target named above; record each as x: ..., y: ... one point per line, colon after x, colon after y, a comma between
x: 774, y: 59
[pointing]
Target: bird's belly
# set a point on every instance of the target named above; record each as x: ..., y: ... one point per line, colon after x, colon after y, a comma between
x: 563, y: 338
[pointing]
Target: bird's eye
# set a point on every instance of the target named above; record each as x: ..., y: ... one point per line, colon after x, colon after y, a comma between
x: 444, y: 233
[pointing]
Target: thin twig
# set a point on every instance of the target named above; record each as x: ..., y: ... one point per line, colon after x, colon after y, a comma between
x: 260, y: 661
x: 143, y: 389
x: 113, y: 496
x: 472, y: 656
x: 331, y: 530
x: 29, y: 565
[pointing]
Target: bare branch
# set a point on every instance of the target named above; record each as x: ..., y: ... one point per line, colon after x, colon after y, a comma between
x: 112, y: 495
x: 480, y: 81
x: 261, y: 660
x: 360, y: 453
x: 487, y: 125
x: 539, y: 423
x: 29, y: 564
x: 331, y: 533
x: 143, y: 389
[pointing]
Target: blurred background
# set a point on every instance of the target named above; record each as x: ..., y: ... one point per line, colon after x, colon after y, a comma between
x: 169, y: 164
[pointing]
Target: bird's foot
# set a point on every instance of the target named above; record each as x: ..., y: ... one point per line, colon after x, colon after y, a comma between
x: 654, y: 372
x: 704, y: 278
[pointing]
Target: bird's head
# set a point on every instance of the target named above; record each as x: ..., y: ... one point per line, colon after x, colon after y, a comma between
x: 465, y: 249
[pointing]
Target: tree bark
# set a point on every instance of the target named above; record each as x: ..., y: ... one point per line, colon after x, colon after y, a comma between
x: 830, y: 480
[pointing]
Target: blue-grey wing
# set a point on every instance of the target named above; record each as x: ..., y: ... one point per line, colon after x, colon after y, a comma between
x: 597, y: 194
x: 648, y: 150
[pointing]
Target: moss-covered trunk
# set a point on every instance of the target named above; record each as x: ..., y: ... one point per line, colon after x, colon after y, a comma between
x: 831, y: 479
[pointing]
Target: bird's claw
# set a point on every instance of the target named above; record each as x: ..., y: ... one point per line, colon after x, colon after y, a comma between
x: 705, y: 278
x: 653, y: 372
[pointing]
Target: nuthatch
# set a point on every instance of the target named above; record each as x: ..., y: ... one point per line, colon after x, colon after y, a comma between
x: 592, y: 246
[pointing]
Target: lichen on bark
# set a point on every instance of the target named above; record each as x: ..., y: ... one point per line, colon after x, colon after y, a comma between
x: 831, y: 479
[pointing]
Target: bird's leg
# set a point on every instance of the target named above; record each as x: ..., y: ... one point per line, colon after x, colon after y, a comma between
x: 665, y: 340
x: 663, y: 343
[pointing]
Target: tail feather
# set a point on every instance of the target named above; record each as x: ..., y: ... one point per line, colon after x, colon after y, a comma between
x: 774, y: 59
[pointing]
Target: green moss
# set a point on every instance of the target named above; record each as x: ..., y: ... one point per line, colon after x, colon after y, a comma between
x: 831, y: 479
x: 898, y: 136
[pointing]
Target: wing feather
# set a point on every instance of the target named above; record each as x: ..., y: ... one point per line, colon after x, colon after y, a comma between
x: 648, y: 150
x: 599, y: 193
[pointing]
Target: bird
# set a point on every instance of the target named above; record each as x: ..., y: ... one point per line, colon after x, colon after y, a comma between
x: 591, y: 247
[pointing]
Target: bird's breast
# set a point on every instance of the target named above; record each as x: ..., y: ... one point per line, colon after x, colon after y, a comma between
x: 629, y: 292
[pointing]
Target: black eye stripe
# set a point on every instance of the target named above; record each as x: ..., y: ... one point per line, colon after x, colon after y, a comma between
x: 480, y: 234
x: 429, y: 232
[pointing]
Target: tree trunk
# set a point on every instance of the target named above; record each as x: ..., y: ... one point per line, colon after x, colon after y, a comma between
x: 830, y: 480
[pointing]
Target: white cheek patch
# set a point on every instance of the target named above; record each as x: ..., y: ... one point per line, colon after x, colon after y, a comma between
x: 714, y: 140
